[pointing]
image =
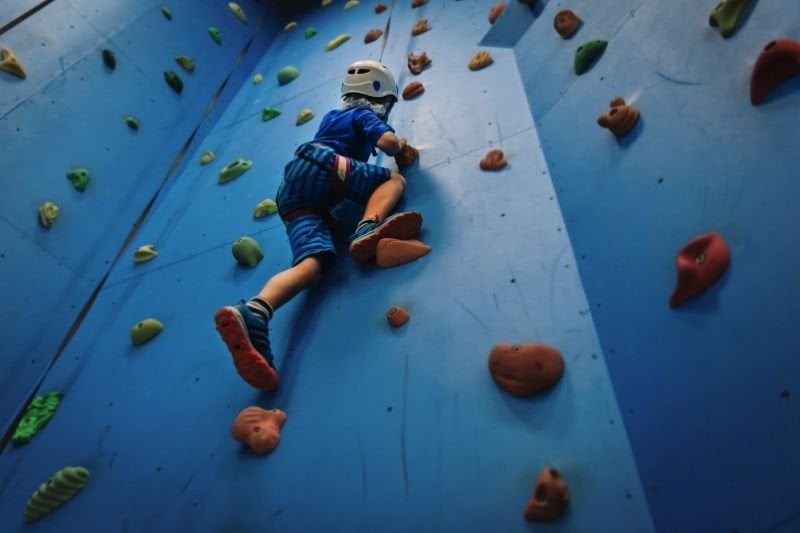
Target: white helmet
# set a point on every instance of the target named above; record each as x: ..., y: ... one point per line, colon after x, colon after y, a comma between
x: 369, y: 78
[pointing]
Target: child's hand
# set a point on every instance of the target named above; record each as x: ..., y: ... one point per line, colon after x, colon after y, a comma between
x: 407, y: 156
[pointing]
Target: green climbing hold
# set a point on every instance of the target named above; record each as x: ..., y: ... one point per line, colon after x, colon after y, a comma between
x: 290, y: 26
x: 234, y: 170
x: 238, y: 11
x: 173, y: 80
x: 310, y: 32
x: 304, y: 116
x: 207, y: 157
x: 48, y: 212
x: 215, y: 34
x: 146, y: 330
x: 287, y: 74
x: 726, y: 15
x: 268, y: 113
x: 166, y: 12
x: 61, y: 486
x: 264, y: 208
x: 337, y: 41
x: 109, y: 59
x: 351, y: 4
x: 36, y: 415
x: 587, y: 53
x: 132, y: 123
x: 144, y: 253
x: 186, y: 62
x: 79, y: 178
x: 247, y: 251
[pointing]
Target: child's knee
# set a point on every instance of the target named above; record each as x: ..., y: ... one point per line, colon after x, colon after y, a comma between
x: 311, y: 268
x: 398, y: 179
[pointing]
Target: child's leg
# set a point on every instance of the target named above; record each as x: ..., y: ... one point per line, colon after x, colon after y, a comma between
x: 285, y: 285
x: 383, y: 199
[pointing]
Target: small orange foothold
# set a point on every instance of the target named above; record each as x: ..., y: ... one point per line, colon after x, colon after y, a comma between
x: 496, y: 11
x: 259, y: 428
x: 412, y: 90
x: 372, y: 35
x: 566, y: 23
x: 620, y: 119
x: 397, y: 316
x: 525, y: 369
x: 420, y: 26
x: 380, y: 8
x: 418, y: 3
x: 493, y: 160
x: 418, y: 63
x: 10, y: 63
x: 549, y: 498
x: 393, y: 252
x: 480, y: 60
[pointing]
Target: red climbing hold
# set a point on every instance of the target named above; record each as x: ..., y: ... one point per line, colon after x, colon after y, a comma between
x: 779, y: 60
x: 397, y: 316
x: 700, y: 263
x: 549, y: 498
x: 525, y: 369
x: 259, y: 428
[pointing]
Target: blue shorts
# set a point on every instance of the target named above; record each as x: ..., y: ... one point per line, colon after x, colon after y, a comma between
x: 310, y: 187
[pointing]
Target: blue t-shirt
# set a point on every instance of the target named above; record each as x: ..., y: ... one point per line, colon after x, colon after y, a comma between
x: 352, y: 132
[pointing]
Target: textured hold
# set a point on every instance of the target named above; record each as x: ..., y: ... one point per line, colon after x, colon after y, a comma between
x: 393, y: 252
x: 146, y: 330
x: 525, y: 369
x: 351, y: 4
x: 234, y: 169
x: 258, y: 78
x: 310, y: 32
x: 61, y: 486
x: 587, y: 53
x: 701, y: 262
x: 620, y: 119
x: 373, y: 35
x: 726, y: 15
x: 259, y: 428
x: 173, y: 80
x: 337, y: 41
x: 407, y: 156
x: 304, y: 116
x: 215, y: 34
x: 132, y: 123
x: 48, y: 212
x: 287, y: 74
x: 290, y: 26
x: 144, y: 253
x: 325, y: 2
x: 779, y: 60
x: 418, y: 63
x: 379, y: 8
x: 481, y: 59
x: 493, y: 160
x: 79, y: 178
x: 10, y: 63
x: 109, y: 59
x: 166, y: 12
x: 36, y: 415
x: 247, y: 251
x: 412, y: 90
x: 549, y: 498
x: 418, y: 3
x: 186, y: 62
x: 268, y: 113
x: 397, y: 316
x: 207, y: 157
x: 496, y: 11
x: 566, y: 23
x: 265, y: 207
x: 237, y: 10
x: 420, y: 26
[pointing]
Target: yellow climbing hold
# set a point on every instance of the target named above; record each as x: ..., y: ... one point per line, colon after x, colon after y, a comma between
x: 48, y: 212
x: 144, y: 253
x: 326, y: 2
x: 264, y: 208
x: 337, y: 41
x: 61, y: 486
x: 289, y: 27
x: 351, y: 4
x: 207, y: 157
x: 10, y: 63
x: 258, y: 78
x: 304, y: 116
x: 238, y: 11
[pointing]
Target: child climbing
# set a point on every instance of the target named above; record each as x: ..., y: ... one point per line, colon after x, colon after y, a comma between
x: 324, y: 172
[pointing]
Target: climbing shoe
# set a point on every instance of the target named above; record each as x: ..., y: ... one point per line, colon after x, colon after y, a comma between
x: 398, y: 226
x: 246, y: 334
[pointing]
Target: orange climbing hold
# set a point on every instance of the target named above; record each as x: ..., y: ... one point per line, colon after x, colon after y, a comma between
x: 397, y: 316
x: 620, y: 119
x: 10, y: 63
x: 549, y: 498
x: 496, y: 11
x: 778, y: 61
x: 493, y: 160
x: 418, y: 62
x: 412, y: 90
x: 701, y: 262
x: 373, y: 35
x: 418, y: 3
x: 481, y: 59
x: 379, y: 8
x: 394, y: 252
x: 420, y: 26
x: 525, y: 369
x: 566, y: 23
x: 407, y: 156
x: 259, y: 428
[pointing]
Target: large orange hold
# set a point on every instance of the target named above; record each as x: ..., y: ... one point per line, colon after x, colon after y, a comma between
x: 259, y: 428
x: 525, y: 369
x: 393, y: 252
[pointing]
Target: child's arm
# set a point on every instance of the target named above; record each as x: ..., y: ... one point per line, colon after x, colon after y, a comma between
x: 391, y: 144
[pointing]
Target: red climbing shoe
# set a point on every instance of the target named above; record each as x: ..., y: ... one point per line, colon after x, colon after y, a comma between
x: 399, y: 226
x: 247, y: 337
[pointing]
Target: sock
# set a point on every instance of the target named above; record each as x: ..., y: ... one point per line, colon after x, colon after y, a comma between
x: 261, y: 306
x: 373, y: 220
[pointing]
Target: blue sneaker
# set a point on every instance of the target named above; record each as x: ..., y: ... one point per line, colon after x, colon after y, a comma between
x: 398, y: 226
x: 246, y: 334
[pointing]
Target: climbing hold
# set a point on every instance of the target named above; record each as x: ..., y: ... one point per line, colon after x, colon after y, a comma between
x: 587, y: 53
x: 779, y: 60
x: 109, y: 59
x: 79, y: 178
x: 418, y: 63
x: 166, y: 12
x: 620, y: 119
x: 304, y: 116
x: 258, y: 78
x: 549, y: 498
x: 701, y: 262
x: 393, y: 252
x: 215, y: 34
x: 566, y: 23
x: 397, y: 316
x: 132, y: 123
x: 493, y: 160
x: 496, y: 11
x: 173, y: 80
x: 207, y: 157
x: 186, y: 62
x: 268, y: 113
x: 146, y: 330
x: 10, y: 63
x: 726, y: 15
x: 259, y: 428
x: 290, y: 26
x: 325, y: 2
x: 48, y: 212
x: 247, y: 251
x: 144, y: 253
x: 373, y: 35
x: 525, y: 369
x: 379, y: 8
x: 36, y: 415
x: 337, y: 41
x: 287, y: 74
x: 481, y: 59
x: 413, y: 89
x: 418, y: 3
x: 234, y: 169
x: 265, y: 208
x: 407, y: 156
x: 351, y: 4
x: 310, y: 32
x: 237, y: 10
x: 61, y: 486
x: 420, y: 26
